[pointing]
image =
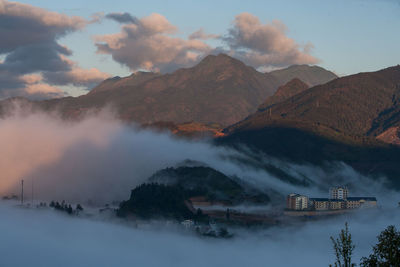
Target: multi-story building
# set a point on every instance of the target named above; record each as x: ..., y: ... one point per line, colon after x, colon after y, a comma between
x: 337, y: 204
x: 360, y: 202
x: 338, y: 192
x: 296, y: 202
x: 320, y: 203
x: 338, y: 200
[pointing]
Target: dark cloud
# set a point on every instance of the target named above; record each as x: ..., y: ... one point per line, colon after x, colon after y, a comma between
x: 46, y: 56
x: 122, y: 18
x: 29, y: 41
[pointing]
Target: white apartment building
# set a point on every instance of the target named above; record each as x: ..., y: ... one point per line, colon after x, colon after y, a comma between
x: 338, y: 193
x: 297, y: 202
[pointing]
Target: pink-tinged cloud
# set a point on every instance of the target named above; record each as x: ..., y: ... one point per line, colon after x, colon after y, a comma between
x: 46, y: 17
x: 29, y: 39
x: 202, y: 35
x: 35, y: 88
x: 148, y: 44
x: 48, y: 139
x: 78, y: 77
x: 265, y: 45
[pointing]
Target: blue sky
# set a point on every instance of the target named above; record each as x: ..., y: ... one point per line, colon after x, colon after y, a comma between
x: 348, y: 36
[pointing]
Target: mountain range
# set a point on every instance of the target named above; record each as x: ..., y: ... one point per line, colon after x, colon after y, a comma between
x: 219, y: 90
x: 365, y: 104
x: 301, y: 113
x: 350, y: 119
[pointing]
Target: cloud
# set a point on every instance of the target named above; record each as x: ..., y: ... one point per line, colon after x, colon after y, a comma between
x: 101, y: 159
x: 77, y: 77
x: 24, y: 24
x: 27, y: 234
x: 265, y: 45
x: 202, y: 35
x: 147, y: 44
x: 105, y: 158
x: 122, y: 18
x: 30, y: 45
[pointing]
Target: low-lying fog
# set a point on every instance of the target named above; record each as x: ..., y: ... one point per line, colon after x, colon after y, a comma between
x: 47, y: 238
x: 101, y: 160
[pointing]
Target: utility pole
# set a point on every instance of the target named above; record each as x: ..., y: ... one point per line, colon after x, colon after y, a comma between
x: 32, y: 192
x: 22, y: 192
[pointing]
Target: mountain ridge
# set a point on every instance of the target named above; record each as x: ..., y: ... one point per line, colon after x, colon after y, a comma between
x: 220, y: 89
x: 311, y: 75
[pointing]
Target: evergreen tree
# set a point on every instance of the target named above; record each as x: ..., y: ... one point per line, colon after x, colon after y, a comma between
x: 68, y: 209
x: 386, y: 253
x: 343, y: 246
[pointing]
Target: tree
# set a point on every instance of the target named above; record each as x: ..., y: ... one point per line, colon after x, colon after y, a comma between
x: 343, y: 246
x: 386, y: 253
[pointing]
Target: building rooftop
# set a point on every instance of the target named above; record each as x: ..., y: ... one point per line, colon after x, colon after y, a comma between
x: 319, y: 199
x: 361, y: 198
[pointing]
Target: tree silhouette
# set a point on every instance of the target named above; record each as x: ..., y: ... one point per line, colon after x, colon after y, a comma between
x: 386, y: 253
x: 343, y: 246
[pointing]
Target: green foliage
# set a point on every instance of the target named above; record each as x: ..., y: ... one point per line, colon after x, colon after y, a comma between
x: 343, y: 246
x: 205, y: 181
x: 156, y: 200
x: 386, y: 253
x: 300, y: 145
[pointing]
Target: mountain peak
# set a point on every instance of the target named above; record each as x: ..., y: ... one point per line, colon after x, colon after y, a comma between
x: 311, y: 75
x: 220, y: 59
x: 293, y: 87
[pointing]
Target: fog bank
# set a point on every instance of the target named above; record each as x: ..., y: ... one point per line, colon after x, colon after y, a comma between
x: 101, y: 159
x: 48, y: 238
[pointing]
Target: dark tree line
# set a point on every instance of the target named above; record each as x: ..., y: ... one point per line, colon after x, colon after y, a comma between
x: 157, y: 200
x: 386, y: 253
x: 63, y: 206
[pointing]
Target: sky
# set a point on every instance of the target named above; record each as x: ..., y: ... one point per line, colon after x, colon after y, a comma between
x: 346, y: 37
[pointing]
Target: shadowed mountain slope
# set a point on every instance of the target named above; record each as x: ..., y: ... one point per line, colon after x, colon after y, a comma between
x: 294, y: 87
x: 311, y: 75
x: 337, y: 121
x: 364, y: 104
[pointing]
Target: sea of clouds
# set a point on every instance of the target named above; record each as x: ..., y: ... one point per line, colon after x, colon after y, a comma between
x: 99, y: 159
